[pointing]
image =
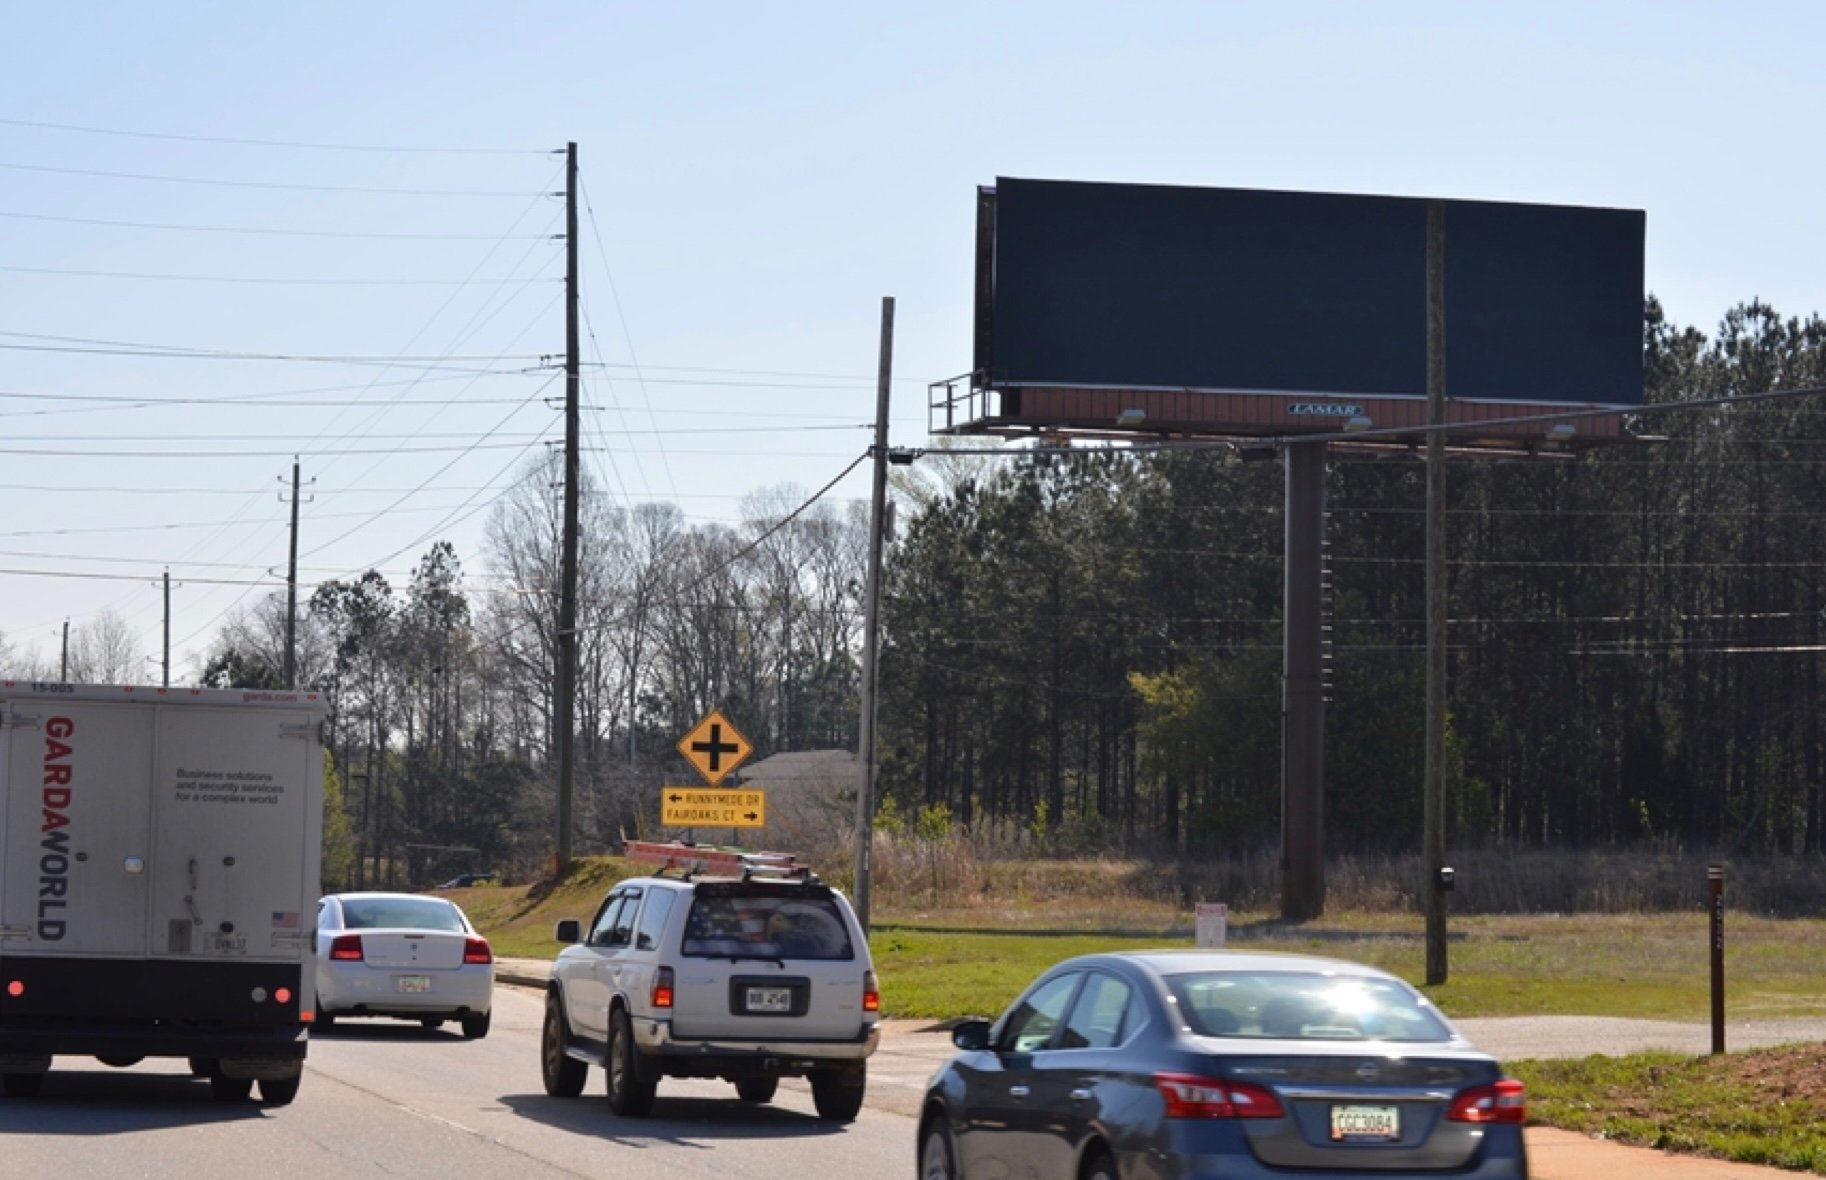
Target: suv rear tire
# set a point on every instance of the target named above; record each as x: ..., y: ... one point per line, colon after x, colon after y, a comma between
x: 563, y: 1074
x: 476, y: 1027
x: 837, y: 1093
x: 632, y: 1082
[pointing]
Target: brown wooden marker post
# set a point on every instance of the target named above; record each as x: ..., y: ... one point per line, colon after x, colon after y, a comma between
x: 1715, y: 893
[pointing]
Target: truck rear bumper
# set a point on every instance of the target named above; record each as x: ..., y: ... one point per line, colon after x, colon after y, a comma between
x: 101, y: 1039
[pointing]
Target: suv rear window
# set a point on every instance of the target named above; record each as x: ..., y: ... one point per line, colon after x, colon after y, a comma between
x: 766, y: 921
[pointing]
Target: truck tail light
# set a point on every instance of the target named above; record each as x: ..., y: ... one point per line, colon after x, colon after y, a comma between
x: 15, y: 988
x: 283, y: 995
x: 662, y: 988
x: 346, y: 948
x: 1189, y: 1096
x: 476, y: 951
x: 1504, y: 1102
x: 871, y: 993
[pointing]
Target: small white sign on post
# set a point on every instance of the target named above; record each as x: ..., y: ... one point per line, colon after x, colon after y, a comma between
x: 1212, y: 918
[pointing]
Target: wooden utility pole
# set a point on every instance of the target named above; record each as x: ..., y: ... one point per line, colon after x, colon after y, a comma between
x: 566, y: 679
x: 165, y: 665
x: 291, y: 592
x: 871, y: 618
x: 1432, y: 886
x: 64, y: 676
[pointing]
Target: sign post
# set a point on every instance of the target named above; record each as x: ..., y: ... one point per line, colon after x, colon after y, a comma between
x: 1715, y: 896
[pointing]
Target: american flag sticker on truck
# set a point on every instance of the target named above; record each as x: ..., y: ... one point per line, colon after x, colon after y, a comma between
x: 286, y: 920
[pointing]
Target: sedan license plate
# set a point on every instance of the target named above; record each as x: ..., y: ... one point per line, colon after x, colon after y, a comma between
x: 770, y: 999
x: 414, y: 983
x: 1365, y: 1122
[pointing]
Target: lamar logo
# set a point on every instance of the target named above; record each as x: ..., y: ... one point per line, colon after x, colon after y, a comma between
x: 54, y: 864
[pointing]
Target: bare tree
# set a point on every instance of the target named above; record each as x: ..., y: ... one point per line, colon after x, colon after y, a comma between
x: 105, y: 650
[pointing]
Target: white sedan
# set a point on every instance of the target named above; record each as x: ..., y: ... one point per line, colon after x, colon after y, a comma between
x: 402, y: 955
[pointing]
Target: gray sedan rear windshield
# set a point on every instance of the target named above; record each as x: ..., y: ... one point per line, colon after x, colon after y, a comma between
x: 1304, y: 1006
x: 765, y: 924
x: 400, y: 913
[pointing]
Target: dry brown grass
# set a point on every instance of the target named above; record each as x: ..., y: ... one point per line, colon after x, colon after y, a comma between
x: 970, y: 873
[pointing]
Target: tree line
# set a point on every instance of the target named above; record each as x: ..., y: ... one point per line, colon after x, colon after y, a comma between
x: 1083, y: 650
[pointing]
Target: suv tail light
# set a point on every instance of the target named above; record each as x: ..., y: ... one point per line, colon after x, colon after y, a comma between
x: 475, y: 950
x: 1189, y: 1096
x: 1504, y: 1102
x: 662, y: 988
x: 346, y: 948
x: 871, y: 993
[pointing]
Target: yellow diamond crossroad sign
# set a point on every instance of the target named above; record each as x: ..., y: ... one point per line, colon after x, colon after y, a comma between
x: 696, y: 807
x: 714, y: 747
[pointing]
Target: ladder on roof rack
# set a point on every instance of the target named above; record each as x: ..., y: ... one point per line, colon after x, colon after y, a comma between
x: 695, y: 858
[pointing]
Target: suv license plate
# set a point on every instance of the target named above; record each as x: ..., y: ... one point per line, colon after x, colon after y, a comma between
x: 770, y: 999
x: 414, y: 983
x: 1365, y: 1122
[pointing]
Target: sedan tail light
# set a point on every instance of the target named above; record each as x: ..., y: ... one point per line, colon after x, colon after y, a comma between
x: 871, y: 993
x: 1190, y: 1096
x: 662, y: 988
x: 476, y: 950
x: 346, y: 948
x: 1504, y: 1102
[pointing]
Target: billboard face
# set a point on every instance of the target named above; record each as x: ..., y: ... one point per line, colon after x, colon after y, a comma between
x: 1151, y: 287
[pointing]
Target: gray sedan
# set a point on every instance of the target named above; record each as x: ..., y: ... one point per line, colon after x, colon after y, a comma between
x: 1179, y: 1065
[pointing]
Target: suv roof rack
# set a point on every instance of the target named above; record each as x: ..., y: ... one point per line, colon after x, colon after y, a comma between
x: 691, y: 859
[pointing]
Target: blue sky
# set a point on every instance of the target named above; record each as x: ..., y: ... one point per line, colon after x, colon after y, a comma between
x: 759, y: 175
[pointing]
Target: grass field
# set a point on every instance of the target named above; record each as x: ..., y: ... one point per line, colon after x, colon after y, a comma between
x: 938, y: 964
x: 1767, y: 1107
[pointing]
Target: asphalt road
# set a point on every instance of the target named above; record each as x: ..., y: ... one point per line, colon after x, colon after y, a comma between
x: 383, y: 1099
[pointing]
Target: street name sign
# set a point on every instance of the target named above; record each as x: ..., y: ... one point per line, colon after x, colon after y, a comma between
x: 696, y: 807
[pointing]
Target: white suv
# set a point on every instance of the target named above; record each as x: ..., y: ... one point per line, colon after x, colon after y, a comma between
x: 748, y: 979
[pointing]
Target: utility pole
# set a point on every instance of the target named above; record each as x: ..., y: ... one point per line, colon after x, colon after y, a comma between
x: 1433, y: 887
x: 871, y: 618
x: 64, y: 676
x: 291, y: 592
x: 566, y: 679
x: 165, y: 665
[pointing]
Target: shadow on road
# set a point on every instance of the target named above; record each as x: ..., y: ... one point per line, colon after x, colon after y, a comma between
x: 118, y: 1102
x: 677, y: 1121
x: 380, y: 1029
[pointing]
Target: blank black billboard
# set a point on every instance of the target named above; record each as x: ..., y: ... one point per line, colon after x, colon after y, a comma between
x: 1142, y: 286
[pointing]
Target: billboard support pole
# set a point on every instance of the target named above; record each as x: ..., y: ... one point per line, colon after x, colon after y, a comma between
x: 1303, y: 687
x: 1433, y: 886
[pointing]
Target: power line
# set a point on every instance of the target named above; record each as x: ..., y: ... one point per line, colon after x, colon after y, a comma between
x: 248, y: 229
x: 275, y: 143
x: 260, y: 280
x: 267, y: 184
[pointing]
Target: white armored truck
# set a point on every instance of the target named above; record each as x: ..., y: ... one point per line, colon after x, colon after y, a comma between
x: 159, y: 870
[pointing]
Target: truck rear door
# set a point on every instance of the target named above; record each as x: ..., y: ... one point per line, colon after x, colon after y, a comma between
x: 235, y: 815
x: 75, y: 828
